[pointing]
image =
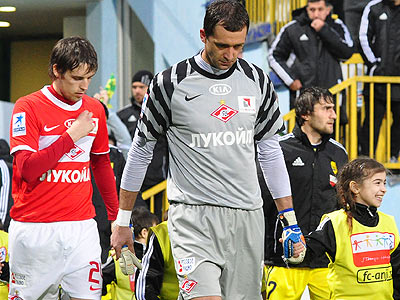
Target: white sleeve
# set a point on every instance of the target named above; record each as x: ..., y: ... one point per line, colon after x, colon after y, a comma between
x: 139, y: 158
x: 273, y: 165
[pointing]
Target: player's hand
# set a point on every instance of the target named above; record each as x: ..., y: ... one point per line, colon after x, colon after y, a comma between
x: 121, y: 236
x: 317, y: 24
x: 128, y: 261
x: 81, y: 126
x: 296, y: 85
x: 294, y: 246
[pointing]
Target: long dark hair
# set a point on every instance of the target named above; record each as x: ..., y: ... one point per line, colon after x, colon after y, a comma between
x: 356, y: 170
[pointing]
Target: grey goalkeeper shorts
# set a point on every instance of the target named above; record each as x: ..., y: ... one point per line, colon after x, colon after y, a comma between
x: 218, y: 251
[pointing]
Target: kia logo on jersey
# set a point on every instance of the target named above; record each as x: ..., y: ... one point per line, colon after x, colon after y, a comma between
x: 224, y: 113
x: 220, y: 89
x: 68, y: 124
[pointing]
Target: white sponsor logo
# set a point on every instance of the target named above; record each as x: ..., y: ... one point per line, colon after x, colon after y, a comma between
x: 372, y: 241
x: 47, y: 129
x: 68, y: 124
x: 19, y: 124
x: 68, y: 176
x: 18, y: 279
x: 220, y: 89
x: 132, y: 118
x: 303, y: 37
x: 247, y: 104
x: 383, y: 17
x: 227, y: 138
x: 298, y: 162
x: 186, y: 265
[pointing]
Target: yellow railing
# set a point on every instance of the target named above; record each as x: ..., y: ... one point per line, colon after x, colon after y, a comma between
x: 151, y: 192
x: 351, y: 86
x: 275, y: 12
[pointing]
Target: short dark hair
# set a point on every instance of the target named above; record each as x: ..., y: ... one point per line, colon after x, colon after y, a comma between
x: 326, y: 1
x: 69, y: 53
x: 142, y: 218
x: 304, y: 104
x: 231, y: 14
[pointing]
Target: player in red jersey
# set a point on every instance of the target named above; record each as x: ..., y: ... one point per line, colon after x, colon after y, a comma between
x: 56, y: 135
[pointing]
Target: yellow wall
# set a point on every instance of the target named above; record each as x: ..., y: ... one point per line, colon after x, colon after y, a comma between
x: 29, y: 61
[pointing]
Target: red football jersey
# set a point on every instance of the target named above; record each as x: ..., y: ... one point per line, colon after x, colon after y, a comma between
x: 63, y: 193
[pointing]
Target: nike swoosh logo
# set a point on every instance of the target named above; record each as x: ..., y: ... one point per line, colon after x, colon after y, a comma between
x: 47, y: 129
x: 94, y: 289
x: 191, y: 98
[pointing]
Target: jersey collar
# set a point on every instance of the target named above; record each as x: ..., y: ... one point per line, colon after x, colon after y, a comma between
x: 59, y: 103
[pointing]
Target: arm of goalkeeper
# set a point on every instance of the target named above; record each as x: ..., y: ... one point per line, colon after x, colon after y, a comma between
x: 128, y: 261
x: 294, y: 246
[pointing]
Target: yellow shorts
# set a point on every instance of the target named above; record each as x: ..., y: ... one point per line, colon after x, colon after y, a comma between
x: 289, y: 284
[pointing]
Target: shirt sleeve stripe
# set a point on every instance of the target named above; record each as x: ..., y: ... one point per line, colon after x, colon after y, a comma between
x: 181, y: 70
x: 261, y: 78
x: 167, y: 83
x: 159, y: 99
x: 247, y: 69
x: 275, y: 121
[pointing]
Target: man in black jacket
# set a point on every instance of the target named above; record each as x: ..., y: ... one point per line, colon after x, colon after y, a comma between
x: 308, y: 49
x: 157, y: 170
x: 312, y: 160
x: 380, y: 45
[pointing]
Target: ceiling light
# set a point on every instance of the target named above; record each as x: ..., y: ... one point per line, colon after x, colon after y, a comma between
x: 4, y: 24
x: 7, y: 9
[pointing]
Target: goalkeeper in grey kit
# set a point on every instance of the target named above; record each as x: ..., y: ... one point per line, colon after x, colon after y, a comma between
x: 212, y: 108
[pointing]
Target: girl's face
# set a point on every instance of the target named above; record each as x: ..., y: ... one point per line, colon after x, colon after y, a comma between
x: 371, y: 191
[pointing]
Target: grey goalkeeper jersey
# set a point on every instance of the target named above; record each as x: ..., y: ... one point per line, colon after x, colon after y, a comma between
x: 211, y: 123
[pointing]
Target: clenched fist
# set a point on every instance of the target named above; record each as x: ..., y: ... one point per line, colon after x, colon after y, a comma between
x: 81, y: 126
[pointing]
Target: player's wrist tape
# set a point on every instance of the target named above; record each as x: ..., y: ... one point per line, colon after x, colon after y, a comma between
x: 287, y: 217
x: 123, y: 217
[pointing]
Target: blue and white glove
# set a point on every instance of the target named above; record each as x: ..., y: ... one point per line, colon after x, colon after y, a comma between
x: 291, y: 234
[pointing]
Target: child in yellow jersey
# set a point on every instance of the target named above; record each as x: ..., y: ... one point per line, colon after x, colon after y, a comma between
x: 4, y: 269
x: 361, y: 243
x: 123, y: 286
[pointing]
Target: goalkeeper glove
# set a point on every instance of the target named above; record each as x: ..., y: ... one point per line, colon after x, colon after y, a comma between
x: 291, y: 234
x: 128, y: 261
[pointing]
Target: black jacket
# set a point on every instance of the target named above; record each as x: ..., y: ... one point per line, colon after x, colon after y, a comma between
x: 380, y: 44
x: 299, y: 52
x: 157, y: 170
x: 312, y: 172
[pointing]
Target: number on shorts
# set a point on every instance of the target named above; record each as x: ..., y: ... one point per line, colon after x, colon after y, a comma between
x: 273, y: 283
x: 96, y: 269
